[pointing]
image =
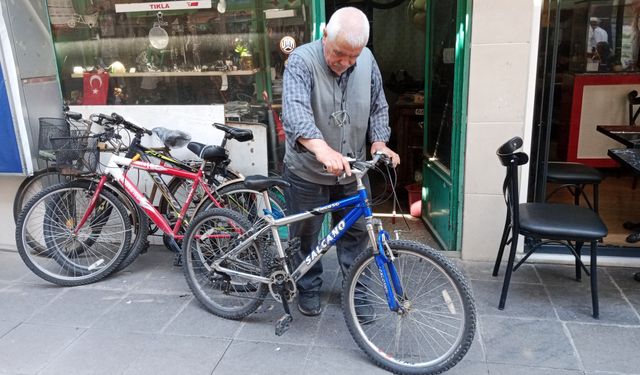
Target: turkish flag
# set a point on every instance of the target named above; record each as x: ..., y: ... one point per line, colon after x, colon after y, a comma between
x: 96, y: 88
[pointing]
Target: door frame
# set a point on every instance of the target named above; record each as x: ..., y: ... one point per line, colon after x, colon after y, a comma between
x: 452, y: 239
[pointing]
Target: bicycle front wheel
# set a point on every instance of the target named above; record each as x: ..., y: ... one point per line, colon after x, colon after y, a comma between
x: 436, y: 322
x: 211, y: 235
x: 73, y: 257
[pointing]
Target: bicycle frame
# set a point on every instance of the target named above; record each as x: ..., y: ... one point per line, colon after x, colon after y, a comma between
x: 360, y: 203
x: 115, y: 170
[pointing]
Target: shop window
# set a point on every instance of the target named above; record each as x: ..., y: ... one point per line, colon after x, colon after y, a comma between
x: 173, y: 52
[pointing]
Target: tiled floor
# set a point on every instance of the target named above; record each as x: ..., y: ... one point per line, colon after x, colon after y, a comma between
x: 144, y: 320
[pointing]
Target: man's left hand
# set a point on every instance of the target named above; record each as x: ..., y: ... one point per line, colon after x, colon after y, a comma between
x: 382, y: 147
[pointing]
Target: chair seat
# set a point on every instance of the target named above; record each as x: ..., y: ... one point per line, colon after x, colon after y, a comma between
x: 560, y: 222
x: 572, y: 173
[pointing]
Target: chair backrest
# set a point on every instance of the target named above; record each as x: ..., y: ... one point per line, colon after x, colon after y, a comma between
x: 510, y: 158
x: 633, y: 100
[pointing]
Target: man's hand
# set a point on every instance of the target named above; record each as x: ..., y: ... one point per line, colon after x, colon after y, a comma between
x: 382, y: 147
x: 332, y: 160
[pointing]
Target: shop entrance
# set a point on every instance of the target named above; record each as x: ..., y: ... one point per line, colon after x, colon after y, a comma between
x: 426, y: 39
x: 588, y: 73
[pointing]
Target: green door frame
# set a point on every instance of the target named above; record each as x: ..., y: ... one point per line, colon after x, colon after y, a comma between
x: 450, y: 238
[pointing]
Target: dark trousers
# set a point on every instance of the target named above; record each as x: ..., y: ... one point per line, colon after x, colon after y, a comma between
x: 303, y: 196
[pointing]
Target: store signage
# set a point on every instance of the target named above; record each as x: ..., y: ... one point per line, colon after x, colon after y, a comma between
x: 163, y: 5
x: 287, y: 44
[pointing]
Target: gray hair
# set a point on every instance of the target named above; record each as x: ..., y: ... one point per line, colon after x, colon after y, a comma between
x: 351, y: 25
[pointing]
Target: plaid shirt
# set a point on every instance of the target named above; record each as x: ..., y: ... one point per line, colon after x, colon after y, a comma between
x: 297, y: 113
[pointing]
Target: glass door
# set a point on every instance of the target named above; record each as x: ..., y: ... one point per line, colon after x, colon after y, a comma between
x: 445, y: 118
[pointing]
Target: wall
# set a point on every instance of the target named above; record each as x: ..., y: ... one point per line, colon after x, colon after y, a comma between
x: 501, y: 85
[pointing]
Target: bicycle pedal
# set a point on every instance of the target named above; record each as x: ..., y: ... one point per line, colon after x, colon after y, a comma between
x: 283, y: 324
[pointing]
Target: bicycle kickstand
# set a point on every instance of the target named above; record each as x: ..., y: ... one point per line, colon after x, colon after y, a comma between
x: 284, y: 323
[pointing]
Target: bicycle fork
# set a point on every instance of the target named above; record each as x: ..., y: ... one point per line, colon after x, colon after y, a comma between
x: 384, y: 260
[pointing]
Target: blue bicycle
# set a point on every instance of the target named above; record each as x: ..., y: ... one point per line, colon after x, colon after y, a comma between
x: 406, y: 306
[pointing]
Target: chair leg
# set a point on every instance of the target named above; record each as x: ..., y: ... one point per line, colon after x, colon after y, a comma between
x: 576, y: 194
x: 595, y: 198
x: 507, y: 275
x: 594, y: 280
x: 503, y: 243
x: 578, y: 256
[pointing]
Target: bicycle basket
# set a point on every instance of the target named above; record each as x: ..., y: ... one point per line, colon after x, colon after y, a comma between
x: 53, y: 127
x: 76, y: 154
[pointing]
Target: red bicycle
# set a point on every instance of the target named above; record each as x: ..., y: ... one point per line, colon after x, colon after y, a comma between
x: 87, y: 229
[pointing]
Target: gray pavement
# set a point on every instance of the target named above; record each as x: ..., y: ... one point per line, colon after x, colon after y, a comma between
x: 144, y: 320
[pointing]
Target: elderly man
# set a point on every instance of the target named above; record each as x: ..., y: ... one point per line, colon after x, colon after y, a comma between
x: 333, y: 103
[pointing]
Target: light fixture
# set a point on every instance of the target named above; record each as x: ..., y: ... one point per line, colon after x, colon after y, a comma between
x: 222, y: 6
x: 158, y: 37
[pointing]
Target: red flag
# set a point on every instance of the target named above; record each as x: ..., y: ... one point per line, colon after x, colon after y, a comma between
x: 96, y: 88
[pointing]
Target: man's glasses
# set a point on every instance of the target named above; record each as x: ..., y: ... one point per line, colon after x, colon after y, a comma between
x: 340, y: 118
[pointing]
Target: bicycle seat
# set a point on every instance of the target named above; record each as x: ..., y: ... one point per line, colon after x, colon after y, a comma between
x: 210, y: 153
x: 240, y: 135
x: 261, y: 183
x: 172, y: 138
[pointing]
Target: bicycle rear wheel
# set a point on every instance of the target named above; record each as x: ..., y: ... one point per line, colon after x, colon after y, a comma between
x: 70, y: 258
x: 435, y: 326
x: 211, y: 235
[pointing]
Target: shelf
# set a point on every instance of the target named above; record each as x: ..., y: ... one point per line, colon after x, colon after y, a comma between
x: 180, y: 74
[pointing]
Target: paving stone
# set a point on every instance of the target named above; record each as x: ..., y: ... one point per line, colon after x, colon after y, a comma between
x: 633, y: 295
x: 258, y: 358
x: 100, y: 352
x: 20, y: 301
x: 195, y: 320
x: 323, y: 360
x: 29, y: 347
x: 623, y: 277
x: 12, y: 267
x: 607, y: 348
x: 7, y: 325
x: 523, y: 300
x: 501, y: 369
x: 538, y: 343
x: 260, y: 326
x: 333, y: 331
x: 483, y: 271
x: 77, y: 307
x: 572, y: 302
x: 167, y: 354
x: 142, y: 313
x: 164, y: 280
x: 553, y: 274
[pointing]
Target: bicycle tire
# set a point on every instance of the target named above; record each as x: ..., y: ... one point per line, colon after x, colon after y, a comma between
x: 34, y: 184
x: 139, y: 221
x: 62, y: 263
x: 215, y: 291
x: 434, y: 290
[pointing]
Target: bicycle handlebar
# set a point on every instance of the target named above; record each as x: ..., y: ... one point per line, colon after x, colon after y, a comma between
x: 130, y: 126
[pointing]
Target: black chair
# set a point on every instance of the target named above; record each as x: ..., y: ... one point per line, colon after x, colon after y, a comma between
x: 574, y: 177
x: 543, y: 223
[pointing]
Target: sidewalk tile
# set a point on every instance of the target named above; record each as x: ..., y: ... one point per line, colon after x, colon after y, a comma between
x: 333, y: 331
x: 77, y: 307
x: 607, y: 348
x: 29, y: 347
x: 501, y: 369
x: 483, y: 271
x: 324, y: 360
x: 21, y: 300
x: 142, y: 313
x: 572, y: 302
x: 523, y: 300
x: 195, y: 320
x: 262, y: 358
x: 527, y: 342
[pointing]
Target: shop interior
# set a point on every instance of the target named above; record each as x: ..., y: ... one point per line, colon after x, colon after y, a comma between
x: 234, y: 53
x: 585, y: 107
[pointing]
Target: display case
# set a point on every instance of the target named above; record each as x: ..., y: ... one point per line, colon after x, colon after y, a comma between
x: 174, y: 52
